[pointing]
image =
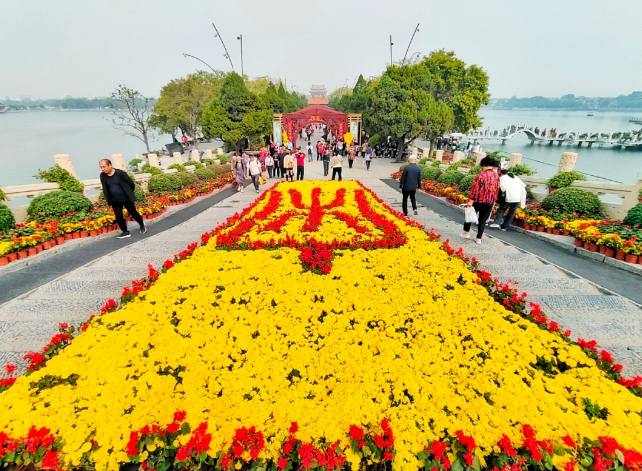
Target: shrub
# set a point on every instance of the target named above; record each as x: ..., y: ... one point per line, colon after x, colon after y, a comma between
x: 476, y: 170
x: 208, y: 161
x: 529, y: 193
x: 564, y: 179
x: 430, y: 173
x: 466, y: 183
x: 178, y: 167
x: 451, y: 177
x: 403, y: 166
x: 58, y: 203
x: 7, y: 221
x: 424, y: 161
x: 205, y: 173
x: 634, y: 216
x: 149, y: 169
x: 223, y: 159
x: 164, y: 182
x: 436, y: 163
x: 139, y: 193
x: 186, y: 178
x: 2, y: 195
x: 65, y: 180
x: 134, y: 162
x: 569, y: 200
x: 195, y: 163
x: 374, y: 140
x: 520, y: 169
x: 219, y: 169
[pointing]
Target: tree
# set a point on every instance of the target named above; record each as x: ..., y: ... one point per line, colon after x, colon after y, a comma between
x: 463, y: 89
x: 132, y: 112
x: 236, y: 114
x: 183, y: 100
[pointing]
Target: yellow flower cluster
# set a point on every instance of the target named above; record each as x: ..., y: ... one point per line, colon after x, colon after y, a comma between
x: 247, y: 338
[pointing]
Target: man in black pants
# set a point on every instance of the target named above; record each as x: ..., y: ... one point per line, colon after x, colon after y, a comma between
x: 118, y: 190
x: 410, y: 181
x: 281, y: 158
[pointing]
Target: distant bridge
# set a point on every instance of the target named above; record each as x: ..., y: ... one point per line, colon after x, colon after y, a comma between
x: 626, y: 140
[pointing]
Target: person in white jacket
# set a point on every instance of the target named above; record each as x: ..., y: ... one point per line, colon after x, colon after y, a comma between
x: 515, y: 190
x: 254, y: 171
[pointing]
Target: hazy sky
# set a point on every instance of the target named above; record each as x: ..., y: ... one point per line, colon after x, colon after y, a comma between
x: 78, y: 47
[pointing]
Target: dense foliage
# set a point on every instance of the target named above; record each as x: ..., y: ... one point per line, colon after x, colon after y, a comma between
x: 634, y: 100
x: 149, y: 169
x: 634, y: 216
x: 7, y: 221
x: 451, y: 177
x: 179, y: 167
x: 186, y: 178
x: 65, y: 180
x: 2, y: 195
x: 164, y: 182
x: 56, y: 204
x: 521, y: 169
x: 573, y: 200
x: 430, y: 173
x: 564, y: 179
x: 204, y: 172
x: 466, y: 183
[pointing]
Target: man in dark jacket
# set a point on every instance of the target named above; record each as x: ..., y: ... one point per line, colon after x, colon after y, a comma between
x: 118, y: 190
x: 410, y: 181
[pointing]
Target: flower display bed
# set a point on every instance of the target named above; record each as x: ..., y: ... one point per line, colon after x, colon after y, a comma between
x: 319, y: 328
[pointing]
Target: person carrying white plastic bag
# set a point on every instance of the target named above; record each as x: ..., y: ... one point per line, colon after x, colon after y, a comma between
x: 470, y: 215
x: 483, y: 195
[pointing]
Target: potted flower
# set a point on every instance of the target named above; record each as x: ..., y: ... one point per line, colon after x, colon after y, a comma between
x: 631, y: 250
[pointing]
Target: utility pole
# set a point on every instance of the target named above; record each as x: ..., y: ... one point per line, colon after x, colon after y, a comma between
x: 391, y: 50
x: 240, y: 38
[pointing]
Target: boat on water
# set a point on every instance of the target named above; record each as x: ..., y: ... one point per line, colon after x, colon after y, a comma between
x: 589, y: 114
x: 3, y: 109
x: 635, y: 120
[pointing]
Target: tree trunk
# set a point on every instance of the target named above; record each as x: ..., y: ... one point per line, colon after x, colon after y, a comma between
x: 432, y: 146
x: 400, y: 148
x: 146, y: 141
x: 195, y: 142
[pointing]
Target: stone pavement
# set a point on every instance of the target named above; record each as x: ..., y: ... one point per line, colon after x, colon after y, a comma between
x: 29, y: 321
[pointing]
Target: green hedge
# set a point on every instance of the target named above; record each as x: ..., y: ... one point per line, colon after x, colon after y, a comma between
x: 134, y: 162
x: 194, y: 163
x: 149, y: 169
x: 164, y: 182
x: 220, y: 169
x: 178, y: 167
x: 634, y: 216
x: 138, y: 192
x: 186, y: 178
x: 451, y: 177
x: 205, y: 173
x: 7, y: 221
x: 65, y: 180
x: 2, y: 195
x: 466, y: 183
x: 56, y: 204
x: 569, y: 200
x: 564, y: 179
x: 223, y: 159
x: 521, y: 169
x: 430, y: 173
x: 208, y: 161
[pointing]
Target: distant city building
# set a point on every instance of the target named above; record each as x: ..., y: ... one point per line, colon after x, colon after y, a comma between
x: 318, y: 95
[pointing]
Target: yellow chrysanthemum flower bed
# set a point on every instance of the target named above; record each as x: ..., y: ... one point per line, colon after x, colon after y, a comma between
x: 242, y: 338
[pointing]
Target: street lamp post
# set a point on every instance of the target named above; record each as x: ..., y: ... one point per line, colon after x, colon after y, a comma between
x: 240, y: 38
x: 194, y: 57
x: 413, y: 37
x: 391, y: 50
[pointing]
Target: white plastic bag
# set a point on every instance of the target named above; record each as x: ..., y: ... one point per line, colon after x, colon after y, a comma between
x: 470, y: 215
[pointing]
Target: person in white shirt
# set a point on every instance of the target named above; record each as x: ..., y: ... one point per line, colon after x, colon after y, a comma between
x: 269, y: 165
x: 254, y: 171
x: 515, y: 191
x: 309, y: 148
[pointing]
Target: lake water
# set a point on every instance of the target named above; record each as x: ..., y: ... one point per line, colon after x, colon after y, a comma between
x: 29, y: 140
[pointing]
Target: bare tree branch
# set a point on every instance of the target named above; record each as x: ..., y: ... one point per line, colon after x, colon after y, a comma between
x: 132, y: 110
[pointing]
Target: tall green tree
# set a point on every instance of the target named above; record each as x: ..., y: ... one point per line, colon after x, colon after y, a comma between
x: 132, y: 112
x: 182, y: 102
x: 236, y: 114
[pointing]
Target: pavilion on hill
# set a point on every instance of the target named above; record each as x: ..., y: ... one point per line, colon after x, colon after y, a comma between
x: 318, y: 95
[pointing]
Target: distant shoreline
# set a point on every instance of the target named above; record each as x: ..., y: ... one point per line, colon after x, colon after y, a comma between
x: 589, y: 110
x: 35, y: 110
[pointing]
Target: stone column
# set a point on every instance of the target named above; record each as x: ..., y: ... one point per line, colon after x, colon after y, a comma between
x: 118, y: 161
x: 195, y: 155
x: 515, y: 159
x: 479, y: 156
x: 64, y: 162
x: 439, y: 155
x: 414, y: 150
x: 425, y: 152
x: 457, y: 156
x: 178, y: 158
x: 219, y: 150
x: 208, y: 153
x: 153, y: 160
x: 567, y: 162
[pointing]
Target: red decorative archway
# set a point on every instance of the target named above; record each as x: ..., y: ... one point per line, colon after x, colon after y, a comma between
x: 335, y: 120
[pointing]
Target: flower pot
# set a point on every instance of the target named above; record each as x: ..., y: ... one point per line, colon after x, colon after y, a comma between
x: 76, y: 235
x: 620, y: 255
x: 639, y: 260
x: 602, y: 249
x: 578, y: 242
x: 4, y: 261
x: 22, y: 254
x: 549, y: 230
x: 38, y: 248
x: 541, y: 228
x: 12, y: 257
x: 593, y: 247
x: 93, y: 233
x: 526, y: 226
x: 84, y: 234
x: 31, y: 252
x: 60, y: 240
x: 630, y: 258
x: 68, y: 236
x: 556, y: 232
x: 103, y: 230
x: 565, y: 232
x: 47, y: 245
x: 609, y: 252
x: 586, y: 245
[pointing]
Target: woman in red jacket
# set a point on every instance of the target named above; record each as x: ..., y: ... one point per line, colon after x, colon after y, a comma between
x: 482, y: 196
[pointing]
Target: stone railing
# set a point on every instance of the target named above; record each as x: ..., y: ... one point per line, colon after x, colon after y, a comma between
x: 626, y: 193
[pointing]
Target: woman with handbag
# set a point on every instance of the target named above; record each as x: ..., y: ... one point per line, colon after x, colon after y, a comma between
x: 483, y: 194
x: 240, y: 172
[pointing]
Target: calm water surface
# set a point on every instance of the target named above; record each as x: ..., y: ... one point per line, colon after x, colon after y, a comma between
x: 29, y: 140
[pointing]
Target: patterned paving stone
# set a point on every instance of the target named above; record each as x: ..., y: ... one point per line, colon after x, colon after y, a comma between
x: 63, y: 290
x: 591, y: 304
x: 508, y: 258
x: 628, y: 358
x: 124, y: 261
x: 13, y: 333
x: 122, y: 274
x: 514, y: 272
x: 13, y: 358
x: 49, y: 309
x: 607, y: 332
x: 544, y: 286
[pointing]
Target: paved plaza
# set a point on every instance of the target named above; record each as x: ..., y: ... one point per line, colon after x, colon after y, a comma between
x: 590, y: 311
